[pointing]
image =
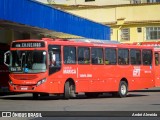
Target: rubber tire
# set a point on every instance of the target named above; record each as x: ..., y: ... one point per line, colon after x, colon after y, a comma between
x: 72, y: 91
x: 120, y: 94
x: 67, y: 90
x: 35, y: 96
x: 68, y: 93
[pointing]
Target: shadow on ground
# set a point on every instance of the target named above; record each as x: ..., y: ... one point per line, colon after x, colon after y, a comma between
x: 146, y: 90
x: 53, y: 97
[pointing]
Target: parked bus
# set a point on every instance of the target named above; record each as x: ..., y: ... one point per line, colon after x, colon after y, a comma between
x: 4, y: 73
x: 156, y: 46
x: 69, y: 67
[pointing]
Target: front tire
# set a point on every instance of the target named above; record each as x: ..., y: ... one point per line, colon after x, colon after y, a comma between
x: 69, y: 90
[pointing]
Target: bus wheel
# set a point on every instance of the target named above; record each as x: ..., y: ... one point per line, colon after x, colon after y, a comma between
x: 35, y: 96
x: 123, y: 89
x: 69, y: 90
x: 92, y: 95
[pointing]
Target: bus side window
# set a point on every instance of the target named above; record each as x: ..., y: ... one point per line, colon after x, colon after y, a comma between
x: 69, y: 55
x: 147, y: 57
x: 123, y: 56
x: 83, y: 55
x: 135, y: 57
x: 110, y: 56
x: 97, y: 56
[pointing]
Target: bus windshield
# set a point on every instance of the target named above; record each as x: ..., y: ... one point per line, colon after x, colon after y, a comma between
x: 28, y: 61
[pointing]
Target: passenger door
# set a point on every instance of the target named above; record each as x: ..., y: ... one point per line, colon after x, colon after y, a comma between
x: 157, y: 69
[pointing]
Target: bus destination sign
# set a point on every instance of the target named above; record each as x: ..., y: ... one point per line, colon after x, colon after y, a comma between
x: 28, y: 44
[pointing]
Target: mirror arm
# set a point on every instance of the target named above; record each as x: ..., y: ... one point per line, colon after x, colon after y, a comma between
x: 5, y: 58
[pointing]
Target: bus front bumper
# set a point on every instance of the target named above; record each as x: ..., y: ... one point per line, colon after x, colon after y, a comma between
x: 43, y: 88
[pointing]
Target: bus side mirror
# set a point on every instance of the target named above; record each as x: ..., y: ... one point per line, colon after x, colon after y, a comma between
x: 7, y: 58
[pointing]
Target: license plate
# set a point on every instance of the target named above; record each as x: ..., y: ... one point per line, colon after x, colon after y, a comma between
x: 24, y: 88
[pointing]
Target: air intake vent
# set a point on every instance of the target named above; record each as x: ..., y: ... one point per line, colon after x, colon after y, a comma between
x: 24, y: 77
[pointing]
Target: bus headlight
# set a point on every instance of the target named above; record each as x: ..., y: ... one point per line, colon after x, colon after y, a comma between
x: 10, y: 82
x: 41, y: 81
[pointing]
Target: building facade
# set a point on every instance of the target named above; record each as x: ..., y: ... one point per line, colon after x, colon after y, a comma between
x: 97, y: 2
x: 129, y: 22
x: 86, y: 2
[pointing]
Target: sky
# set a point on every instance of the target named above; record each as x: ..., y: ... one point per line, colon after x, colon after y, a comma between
x: 56, y: 1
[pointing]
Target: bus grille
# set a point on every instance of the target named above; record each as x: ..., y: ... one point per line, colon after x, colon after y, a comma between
x: 24, y: 77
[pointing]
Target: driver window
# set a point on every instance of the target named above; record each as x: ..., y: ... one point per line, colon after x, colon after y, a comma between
x: 54, y: 58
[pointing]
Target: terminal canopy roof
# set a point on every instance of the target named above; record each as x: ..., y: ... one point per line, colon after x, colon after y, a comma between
x: 32, y: 16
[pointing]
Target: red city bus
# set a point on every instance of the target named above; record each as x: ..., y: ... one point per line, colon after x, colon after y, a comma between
x: 4, y: 73
x: 156, y: 46
x: 70, y: 67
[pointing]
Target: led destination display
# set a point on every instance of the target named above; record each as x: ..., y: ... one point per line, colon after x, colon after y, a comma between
x: 28, y: 44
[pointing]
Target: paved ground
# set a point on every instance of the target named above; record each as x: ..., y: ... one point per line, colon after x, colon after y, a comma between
x: 144, y: 100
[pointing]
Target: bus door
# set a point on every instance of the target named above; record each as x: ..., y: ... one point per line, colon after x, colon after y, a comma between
x: 157, y: 69
x: 97, y: 82
x: 84, y: 70
x: 147, y: 69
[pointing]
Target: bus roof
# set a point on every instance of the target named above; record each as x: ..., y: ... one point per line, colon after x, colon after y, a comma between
x: 85, y: 42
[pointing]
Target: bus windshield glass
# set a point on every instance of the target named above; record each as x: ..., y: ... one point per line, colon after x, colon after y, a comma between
x: 28, y: 61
